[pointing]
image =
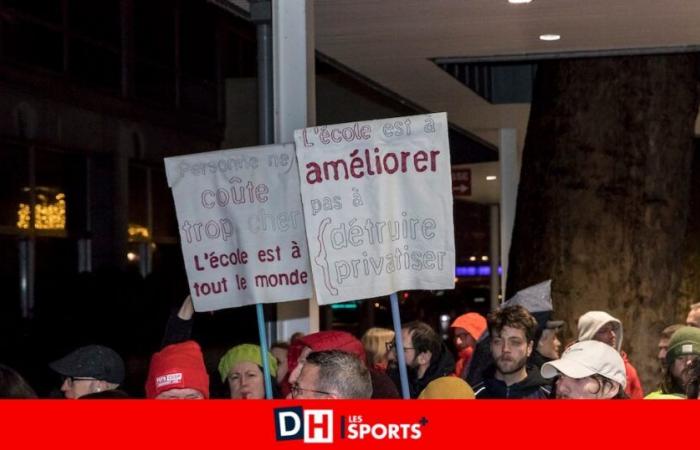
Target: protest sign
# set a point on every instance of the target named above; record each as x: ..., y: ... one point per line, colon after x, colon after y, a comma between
x: 377, y: 199
x: 241, y: 226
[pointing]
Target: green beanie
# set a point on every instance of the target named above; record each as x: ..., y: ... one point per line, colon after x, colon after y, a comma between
x: 241, y: 353
x: 685, y: 341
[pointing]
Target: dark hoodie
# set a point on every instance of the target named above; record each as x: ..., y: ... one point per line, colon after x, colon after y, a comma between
x: 533, y: 387
x: 444, y: 365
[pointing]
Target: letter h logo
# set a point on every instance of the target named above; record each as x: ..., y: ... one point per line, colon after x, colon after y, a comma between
x: 314, y: 426
x: 319, y: 426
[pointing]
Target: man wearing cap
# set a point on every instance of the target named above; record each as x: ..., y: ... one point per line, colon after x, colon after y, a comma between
x: 683, y: 350
x: 466, y: 331
x: 588, y: 370
x: 178, y: 372
x: 602, y: 327
x: 89, y: 369
x: 512, y: 331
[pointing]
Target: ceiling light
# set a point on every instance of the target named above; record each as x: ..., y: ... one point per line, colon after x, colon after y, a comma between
x: 491, y: 177
x: 517, y: 2
x: 549, y: 37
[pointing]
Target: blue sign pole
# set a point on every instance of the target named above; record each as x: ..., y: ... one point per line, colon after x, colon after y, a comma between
x: 263, y: 351
x: 400, y: 355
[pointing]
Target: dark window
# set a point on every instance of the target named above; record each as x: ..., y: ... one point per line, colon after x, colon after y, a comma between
x: 46, y: 10
x: 29, y: 43
x: 13, y: 183
x: 94, y: 65
x: 138, y: 209
x: 164, y: 219
x: 154, y: 24
x: 96, y: 19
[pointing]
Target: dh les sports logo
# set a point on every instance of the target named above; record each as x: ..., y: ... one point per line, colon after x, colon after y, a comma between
x: 316, y: 426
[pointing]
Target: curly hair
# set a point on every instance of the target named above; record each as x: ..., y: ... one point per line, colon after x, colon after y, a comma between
x: 515, y: 317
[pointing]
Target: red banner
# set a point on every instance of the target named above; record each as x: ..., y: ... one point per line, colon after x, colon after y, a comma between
x: 125, y: 424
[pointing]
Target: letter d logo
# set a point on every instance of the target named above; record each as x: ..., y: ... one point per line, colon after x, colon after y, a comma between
x: 289, y: 423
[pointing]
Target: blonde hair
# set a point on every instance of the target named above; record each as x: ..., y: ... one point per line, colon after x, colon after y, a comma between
x: 374, y: 341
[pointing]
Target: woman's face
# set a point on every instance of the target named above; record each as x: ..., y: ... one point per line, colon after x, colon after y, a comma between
x: 246, y: 381
x: 584, y: 388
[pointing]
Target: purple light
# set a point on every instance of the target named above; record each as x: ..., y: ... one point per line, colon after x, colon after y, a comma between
x: 475, y: 271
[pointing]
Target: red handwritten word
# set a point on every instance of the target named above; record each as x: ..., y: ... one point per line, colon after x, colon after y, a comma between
x: 358, y: 166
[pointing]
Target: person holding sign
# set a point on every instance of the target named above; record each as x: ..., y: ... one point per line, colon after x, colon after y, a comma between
x: 427, y: 358
x: 241, y: 369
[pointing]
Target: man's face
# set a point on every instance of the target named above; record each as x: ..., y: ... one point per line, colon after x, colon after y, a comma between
x: 245, y: 381
x: 549, y: 344
x: 663, y: 349
x: 306, y: 386
x: 408, y: 351
x: 510, y: 349
x: 76, y: 387
x: 607, y: 334
x: 180, y: 394
x: 583, y: 388
x: 693, y: 319
x: 462, y: 339
x: 679, y: 369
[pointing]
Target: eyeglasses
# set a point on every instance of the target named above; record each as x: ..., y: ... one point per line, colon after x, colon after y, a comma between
x: 392, y: 345
x: 72, y: 380
x: 296, y: 390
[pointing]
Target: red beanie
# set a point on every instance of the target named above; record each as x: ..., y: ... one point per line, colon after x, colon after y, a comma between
x: 325, y: 340
x: 177, y: 366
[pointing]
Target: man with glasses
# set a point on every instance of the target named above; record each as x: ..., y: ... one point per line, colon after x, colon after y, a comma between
x: 427, y: 357
x: 89, y: 369
x: 332, y: 374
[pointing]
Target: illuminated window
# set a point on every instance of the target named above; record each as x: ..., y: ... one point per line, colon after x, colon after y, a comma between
x: 49, y: 211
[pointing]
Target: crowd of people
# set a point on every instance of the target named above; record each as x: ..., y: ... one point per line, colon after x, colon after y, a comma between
x: 514, y: 353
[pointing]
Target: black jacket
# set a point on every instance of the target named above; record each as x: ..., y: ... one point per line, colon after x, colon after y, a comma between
x: 443, y: 366
x: 533, y: 387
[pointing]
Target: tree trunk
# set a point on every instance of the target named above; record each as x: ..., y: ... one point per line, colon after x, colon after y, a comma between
x: 603, y: 195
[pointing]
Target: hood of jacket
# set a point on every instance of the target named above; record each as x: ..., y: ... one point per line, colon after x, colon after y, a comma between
x: 592, y: 321
x: 533, y: 383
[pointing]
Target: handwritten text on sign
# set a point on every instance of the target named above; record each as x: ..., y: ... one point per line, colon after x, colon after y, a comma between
x: 377, y: 201
x: 241, y: 226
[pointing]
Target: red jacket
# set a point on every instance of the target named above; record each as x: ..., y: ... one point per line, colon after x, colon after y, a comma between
x: 634, y: 386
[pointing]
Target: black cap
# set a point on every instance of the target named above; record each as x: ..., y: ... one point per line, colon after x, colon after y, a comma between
x: 93, y: 361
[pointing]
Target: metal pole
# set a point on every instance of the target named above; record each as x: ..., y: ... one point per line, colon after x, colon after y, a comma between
x: 494, y: 255
x: 510, y: 176
x: 400, y: 356
x: 263, y: 351
x: 261, y: 15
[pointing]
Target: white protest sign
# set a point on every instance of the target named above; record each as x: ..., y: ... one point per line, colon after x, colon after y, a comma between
x: 241, y: 226
x: 377, y: 201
